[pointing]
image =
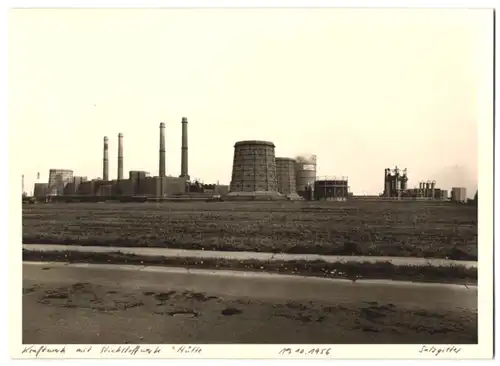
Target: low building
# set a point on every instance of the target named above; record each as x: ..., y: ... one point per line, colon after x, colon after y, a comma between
x: 176, y: 185
x: 331, y: 189
x: 459, y: 194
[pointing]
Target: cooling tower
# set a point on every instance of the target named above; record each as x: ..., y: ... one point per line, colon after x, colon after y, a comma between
x: 184, y: 149
x: 161, y: 170
x: 120, y: 156
x: 285, y: 174
x: 105, y: 162
x: 254, y: 171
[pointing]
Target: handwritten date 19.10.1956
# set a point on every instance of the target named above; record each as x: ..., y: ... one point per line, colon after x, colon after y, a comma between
x: 305, y: 351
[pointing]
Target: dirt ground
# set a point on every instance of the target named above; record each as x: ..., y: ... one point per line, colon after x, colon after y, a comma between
x: 431, y: 229
x: 85, y: 313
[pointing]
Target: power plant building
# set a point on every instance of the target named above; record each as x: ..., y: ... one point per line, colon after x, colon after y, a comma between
x: 331, y: 189
x: 73, y: 187
x: 395, y: 182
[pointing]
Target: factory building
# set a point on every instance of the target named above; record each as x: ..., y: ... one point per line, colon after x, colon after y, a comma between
x: 72, y: 187
x: 200, y: 189
x: 428, y: 190
x: 63, y: 183
x: 331, y: 189
x: 459, y: 194
x: 396, y: 186
x: 136, y: 177
x: 254, y: 171
x: 152, y: 187
x: 395, y: 182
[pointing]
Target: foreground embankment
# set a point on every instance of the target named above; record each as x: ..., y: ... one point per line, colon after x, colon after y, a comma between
x: 352, y: 268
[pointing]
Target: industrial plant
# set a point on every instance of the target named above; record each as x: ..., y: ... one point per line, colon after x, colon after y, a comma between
x: 63, y: 185
x: 257, y: 174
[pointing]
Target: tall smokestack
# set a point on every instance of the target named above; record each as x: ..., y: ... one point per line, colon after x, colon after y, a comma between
x: 120, y: 156
x: 184, y: 151
x: 105, y: 162
x: 162, y: 150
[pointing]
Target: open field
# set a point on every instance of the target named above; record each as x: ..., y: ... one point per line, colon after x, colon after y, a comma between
x: 420, y: 229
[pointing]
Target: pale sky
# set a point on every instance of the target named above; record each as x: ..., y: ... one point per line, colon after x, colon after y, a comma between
x: 363, y: 90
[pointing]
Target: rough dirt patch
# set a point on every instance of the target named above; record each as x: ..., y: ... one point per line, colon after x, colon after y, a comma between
x: 149, y: 316
x: 353, y: 271
x: 85, y: 295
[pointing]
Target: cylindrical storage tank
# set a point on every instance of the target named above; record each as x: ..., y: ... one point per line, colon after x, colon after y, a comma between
x: 305, y: 172
x: 285, y: 174
x: 254, y: 169
x: 459, y: 194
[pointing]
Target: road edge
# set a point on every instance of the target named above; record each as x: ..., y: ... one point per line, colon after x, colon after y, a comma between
x: 331, y: 270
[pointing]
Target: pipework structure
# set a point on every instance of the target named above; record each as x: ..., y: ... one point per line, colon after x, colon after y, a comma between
x: 428, y: 190
x: 395, y: 182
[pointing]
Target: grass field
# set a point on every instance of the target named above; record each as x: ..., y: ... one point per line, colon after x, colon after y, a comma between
x: 431, y: 229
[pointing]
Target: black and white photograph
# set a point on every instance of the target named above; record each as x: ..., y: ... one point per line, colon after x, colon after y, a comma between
x: 300, y: 177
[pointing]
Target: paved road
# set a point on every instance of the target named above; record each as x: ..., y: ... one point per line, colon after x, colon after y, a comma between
x: 166, y: 252
x: 128, y: 304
